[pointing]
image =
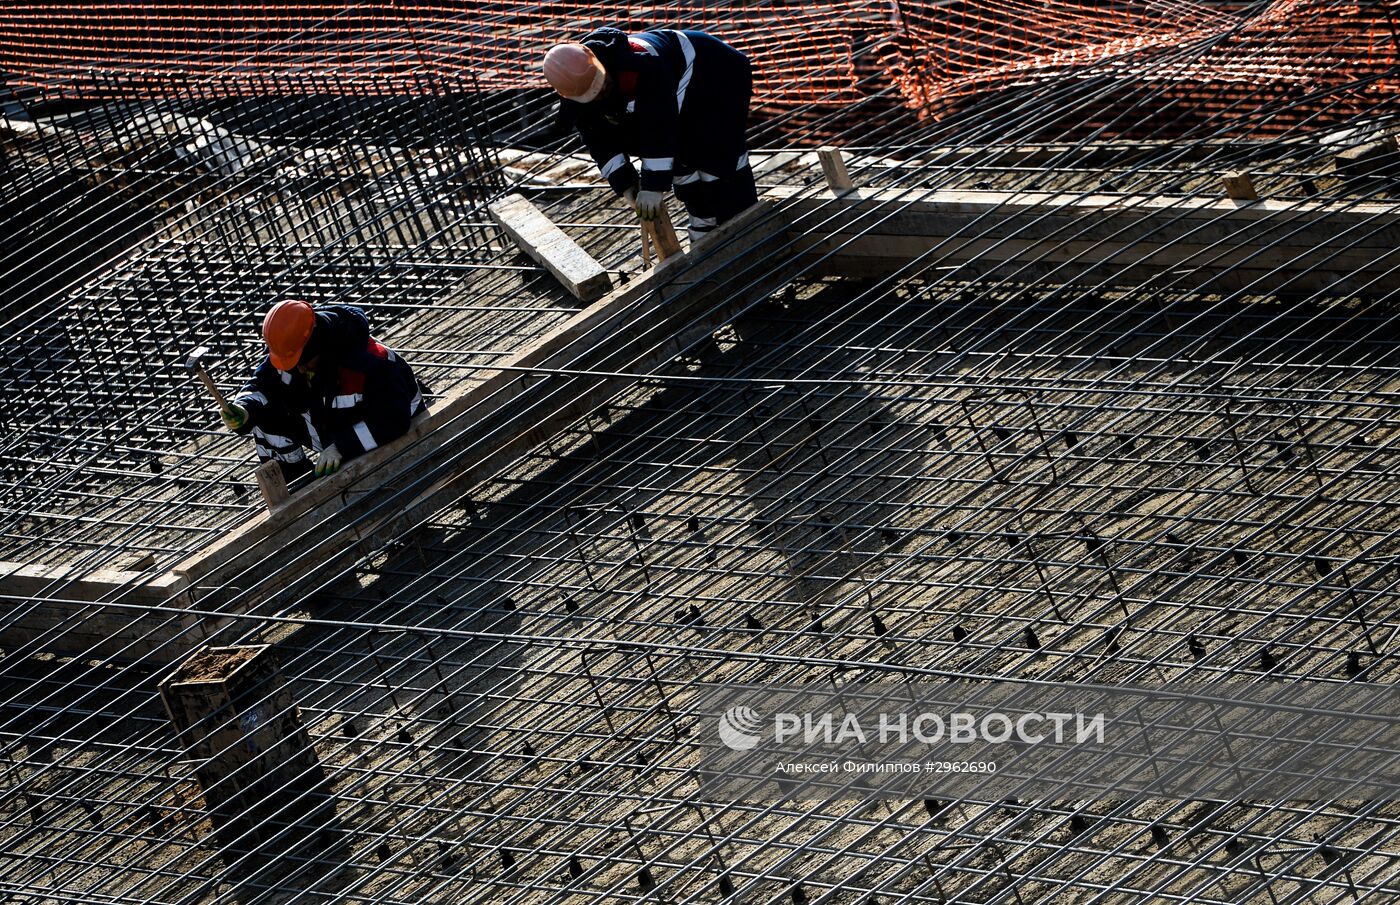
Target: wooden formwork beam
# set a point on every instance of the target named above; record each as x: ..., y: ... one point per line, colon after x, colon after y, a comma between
x: 468, y: 436
x: 96, y: 612
x: 1098, y: 154
x: 1206, y: 244
x: 538, y: 237
x: 1198, y: 244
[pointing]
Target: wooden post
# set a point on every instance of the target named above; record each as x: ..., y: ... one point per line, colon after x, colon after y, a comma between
x: 834, y: 166
x: 264, y: 789
x: 272, y: 484
x: 1240, y: 187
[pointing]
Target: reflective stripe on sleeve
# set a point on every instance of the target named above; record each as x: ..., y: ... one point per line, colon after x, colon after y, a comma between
x: 413, y: 404
x: 641, y: 38
x: 252, y: 397
x: 612, y: 166
x: 654, y: 164
x: 274, y: 440
x: 348, y: 400
x: 688, y: 49
x: 311, y: 432
x: 366, y: 438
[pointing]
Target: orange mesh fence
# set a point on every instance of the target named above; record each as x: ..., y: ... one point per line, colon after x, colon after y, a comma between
x: 802, y: 52
x: 1260, y: 67
x: 1266, y: 67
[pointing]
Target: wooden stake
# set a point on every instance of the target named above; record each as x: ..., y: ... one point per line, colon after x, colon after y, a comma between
x: 1240, y: 187
x: 272, y: 484
x: 834, y: 166
x: 646, y: 245
x: 663, y: 235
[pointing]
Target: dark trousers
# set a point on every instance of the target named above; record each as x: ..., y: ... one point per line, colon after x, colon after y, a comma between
x: 712, y: 198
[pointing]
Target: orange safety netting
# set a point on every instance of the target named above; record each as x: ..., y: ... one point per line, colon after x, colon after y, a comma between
x: 1262, y: 66
x: 1258, y: 66
x: 802, y: 51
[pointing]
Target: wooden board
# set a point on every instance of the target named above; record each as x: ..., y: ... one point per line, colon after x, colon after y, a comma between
x: 539, y: 238
x: 1121, y: 154
x: 96, y: 613
x: 1195, y: 244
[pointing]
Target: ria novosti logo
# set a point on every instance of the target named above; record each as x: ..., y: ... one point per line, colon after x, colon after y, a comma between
x: 740, y: 728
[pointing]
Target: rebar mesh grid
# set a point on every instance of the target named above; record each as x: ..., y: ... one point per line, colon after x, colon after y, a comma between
x: 374, y: 201
x: 918, y: 475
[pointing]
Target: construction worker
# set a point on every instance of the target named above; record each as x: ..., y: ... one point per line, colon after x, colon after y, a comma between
x: 678, y: 101
x: 326, y: 386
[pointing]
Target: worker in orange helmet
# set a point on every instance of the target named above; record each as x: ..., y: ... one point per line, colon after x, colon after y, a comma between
x: 678, y: 101
x: 326, y: 386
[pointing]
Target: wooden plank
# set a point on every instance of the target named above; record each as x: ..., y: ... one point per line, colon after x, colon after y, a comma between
x: 97, y: 612
x: 1098, y: 154
x: 539, y: 238
x: 834, y: 168
x: 551, y: 383
x: 1378, y: 157
x: 1201, y: 244
x: 69, y: 583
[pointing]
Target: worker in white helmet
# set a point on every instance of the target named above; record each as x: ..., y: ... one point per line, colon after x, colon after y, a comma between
x: 676, y: 100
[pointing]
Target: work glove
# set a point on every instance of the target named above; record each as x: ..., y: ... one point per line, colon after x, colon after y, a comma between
x: 328, y: 462
x: 234, y: 415
x: 629, y: 195
x: 649, y: 204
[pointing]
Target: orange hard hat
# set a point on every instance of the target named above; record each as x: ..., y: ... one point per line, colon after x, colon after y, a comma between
x: 574, y: 72
x: 286, y: 328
